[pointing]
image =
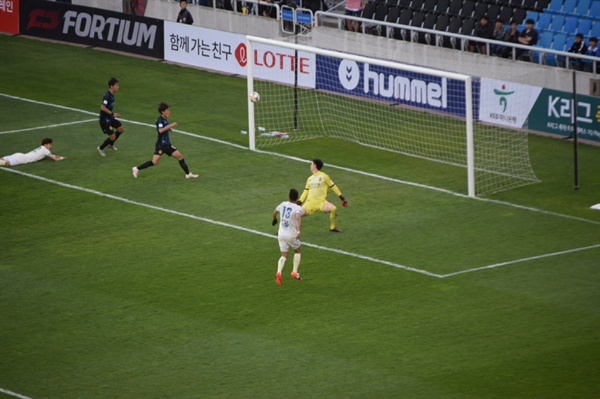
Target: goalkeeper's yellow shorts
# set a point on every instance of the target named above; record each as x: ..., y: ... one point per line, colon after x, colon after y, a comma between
x: 313, y: 206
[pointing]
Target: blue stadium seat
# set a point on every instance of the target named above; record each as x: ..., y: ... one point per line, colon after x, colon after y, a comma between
x: 559, y: 43
x: 569, y: 7
x: 595, y: 29
x: 545, y: 41
x: 558, y: 23
x: 585, y: 27
x: 532, y: 15
x: 544, y: 21
x: 556, y: 6
x: 571, y: 24
x: 583, y: 8
x: 594, y: 9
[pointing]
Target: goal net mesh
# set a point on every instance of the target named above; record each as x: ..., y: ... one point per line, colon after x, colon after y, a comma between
x: 414, y: 114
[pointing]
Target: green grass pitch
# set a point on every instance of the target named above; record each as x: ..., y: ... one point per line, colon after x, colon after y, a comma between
x: 162, y: 287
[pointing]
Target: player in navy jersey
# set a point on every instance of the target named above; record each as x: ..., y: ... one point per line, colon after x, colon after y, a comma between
x: 163, y: 144
x: 108, y: 119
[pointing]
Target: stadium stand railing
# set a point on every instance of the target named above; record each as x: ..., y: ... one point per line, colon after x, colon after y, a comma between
x: 451, y: 24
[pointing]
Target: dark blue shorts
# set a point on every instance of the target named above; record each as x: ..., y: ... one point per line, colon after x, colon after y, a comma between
x: 164, y: 149
x: 107, y: 125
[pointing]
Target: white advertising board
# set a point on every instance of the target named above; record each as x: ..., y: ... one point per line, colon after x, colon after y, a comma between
x: 506, y: 103
x: 227, y: 52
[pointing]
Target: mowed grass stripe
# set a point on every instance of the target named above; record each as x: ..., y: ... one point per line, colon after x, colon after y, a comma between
x: 223, y: 224
x: 363, y: 173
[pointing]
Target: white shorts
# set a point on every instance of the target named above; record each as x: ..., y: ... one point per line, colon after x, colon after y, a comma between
x: 285, y: 243
x: 15, y: 159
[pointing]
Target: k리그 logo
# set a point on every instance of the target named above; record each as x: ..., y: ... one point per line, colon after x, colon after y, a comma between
x: 503, y: 93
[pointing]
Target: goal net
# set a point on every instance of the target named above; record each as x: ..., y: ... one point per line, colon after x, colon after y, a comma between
x: 308, y: 92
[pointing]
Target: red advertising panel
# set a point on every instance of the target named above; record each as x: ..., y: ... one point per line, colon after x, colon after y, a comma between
x: 9, y: 16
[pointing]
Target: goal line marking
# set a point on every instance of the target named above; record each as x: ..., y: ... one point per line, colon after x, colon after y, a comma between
x: 11, y: 393
x: 568, y: 251
x: 329, y: 165
x: 307, y: 244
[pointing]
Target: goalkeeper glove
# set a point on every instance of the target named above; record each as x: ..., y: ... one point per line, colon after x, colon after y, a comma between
x: 344, y: 202
x: 274, y: 221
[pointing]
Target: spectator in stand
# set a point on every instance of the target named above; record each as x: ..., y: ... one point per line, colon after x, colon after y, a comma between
x: 512, y: 36
x: 483, y: 30
x: 267, y: 11
x: 184, y: 16
x: 529, y: 37
x: 353, y: 8
x: 578, y: 47
x: 500, y: 35
x: 594, y: 51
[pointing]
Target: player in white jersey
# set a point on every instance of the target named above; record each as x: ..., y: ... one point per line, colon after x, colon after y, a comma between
x: 38, y: 154
x: 289, y: 233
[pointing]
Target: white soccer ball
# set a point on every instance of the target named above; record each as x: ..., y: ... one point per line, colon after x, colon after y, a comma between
x: 255, y: 97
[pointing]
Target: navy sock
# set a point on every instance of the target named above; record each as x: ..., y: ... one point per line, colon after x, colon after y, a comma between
x: 145, y: 165
x: 184, y: 166
x: 106, y: 143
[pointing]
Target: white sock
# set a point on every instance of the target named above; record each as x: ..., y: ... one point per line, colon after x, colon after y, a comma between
x: 296, y: 262
x: 280, y: 264
x: 2, y: 162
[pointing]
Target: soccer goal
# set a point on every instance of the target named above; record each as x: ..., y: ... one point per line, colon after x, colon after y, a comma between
x: 308, y: 92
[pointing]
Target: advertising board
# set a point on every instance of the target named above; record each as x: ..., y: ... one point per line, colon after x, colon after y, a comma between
x: 93, y: 27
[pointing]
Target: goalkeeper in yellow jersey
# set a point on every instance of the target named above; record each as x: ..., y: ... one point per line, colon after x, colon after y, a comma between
x: 314, y: 197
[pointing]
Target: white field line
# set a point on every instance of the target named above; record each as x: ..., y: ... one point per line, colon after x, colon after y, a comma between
x: 218, y: 223
x: 332, y: 166
x: 328, y: 165
x: 48, y: 126
x: 512, y: 262
x: 11, y: 393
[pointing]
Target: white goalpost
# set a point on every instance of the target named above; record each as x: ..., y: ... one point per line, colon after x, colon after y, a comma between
x: 308, y: 92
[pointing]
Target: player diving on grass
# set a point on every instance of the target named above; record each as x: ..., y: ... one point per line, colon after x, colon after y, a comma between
x: 314, y: 197
x: 38, y: 154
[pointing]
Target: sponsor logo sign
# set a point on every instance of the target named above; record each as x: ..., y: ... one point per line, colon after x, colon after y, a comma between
x: 390, y: 85
x: 506, y: 103
x: 92, y: 26
x: 227, y: 52
x: 553, y: 112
